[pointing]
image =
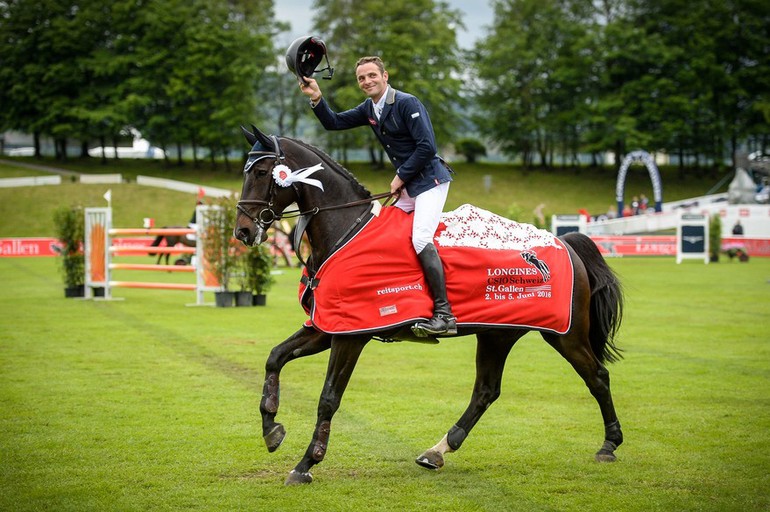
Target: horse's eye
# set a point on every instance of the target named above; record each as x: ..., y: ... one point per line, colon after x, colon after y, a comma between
x: 262, y: 172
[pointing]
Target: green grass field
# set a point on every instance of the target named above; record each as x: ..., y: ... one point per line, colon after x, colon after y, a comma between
x: 146, y: 404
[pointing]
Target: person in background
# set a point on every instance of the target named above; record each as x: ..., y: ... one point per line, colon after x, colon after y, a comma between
x: 644, y: 203
x: 627, y: 211
x: 193, y: 224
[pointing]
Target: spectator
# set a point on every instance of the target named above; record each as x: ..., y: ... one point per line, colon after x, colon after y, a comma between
x: 738, y: 228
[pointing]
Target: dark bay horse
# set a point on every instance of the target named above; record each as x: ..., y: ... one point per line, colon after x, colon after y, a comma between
x: 171, y: 241
x: 333, y: 206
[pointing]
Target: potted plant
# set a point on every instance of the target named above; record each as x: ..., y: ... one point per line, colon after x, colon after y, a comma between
x: 220, y: 248
x: 243, y: 297
x: 259, y: 265
x: 715, y: 238
x: 70, y: 230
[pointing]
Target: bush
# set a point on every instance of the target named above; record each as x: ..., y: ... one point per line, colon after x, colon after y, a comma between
x: 471, y: 149
x: 70, y: 230
x: 515, y: 213
x: 715, y: 237
x: 220, y: 248
x: 258, y: 265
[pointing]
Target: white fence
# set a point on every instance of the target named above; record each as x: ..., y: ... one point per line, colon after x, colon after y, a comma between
x: 101, y: 178
x: 754, y: 218
x: 182, y: 186
x: 31, y: 181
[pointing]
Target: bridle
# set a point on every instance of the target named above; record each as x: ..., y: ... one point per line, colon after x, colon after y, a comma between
x: 267, y: 215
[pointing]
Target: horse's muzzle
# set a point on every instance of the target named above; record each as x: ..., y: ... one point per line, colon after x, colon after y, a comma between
x: 247, y: 237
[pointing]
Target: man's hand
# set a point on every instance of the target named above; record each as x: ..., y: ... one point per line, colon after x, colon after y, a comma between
x: 396, y: 185
x: 310, y: 89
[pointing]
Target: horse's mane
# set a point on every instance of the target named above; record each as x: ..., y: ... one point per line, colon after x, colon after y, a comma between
x: 335, y: 166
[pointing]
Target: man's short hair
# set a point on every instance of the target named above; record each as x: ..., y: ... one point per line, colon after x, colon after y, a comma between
x: 372, y: 59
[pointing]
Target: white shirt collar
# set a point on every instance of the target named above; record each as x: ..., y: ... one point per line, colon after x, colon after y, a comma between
x: 381, y: 103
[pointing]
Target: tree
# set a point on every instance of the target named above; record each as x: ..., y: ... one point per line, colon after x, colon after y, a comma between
x: 471, y: 149
x: 177, y: 71
x: 38, y: 78
x: 417, y: 41
x: 213, y: 81
x: 534, y: 69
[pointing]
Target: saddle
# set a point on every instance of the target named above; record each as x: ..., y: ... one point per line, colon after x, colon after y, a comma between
x: 498, y: 273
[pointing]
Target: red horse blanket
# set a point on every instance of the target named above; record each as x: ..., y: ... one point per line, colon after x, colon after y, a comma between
x: 498, y: 272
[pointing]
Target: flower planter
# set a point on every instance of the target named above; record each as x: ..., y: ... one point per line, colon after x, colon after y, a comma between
x: 260, y: 299
x: 224, y: 299
x: 75, y: 291
x: 243, y: 299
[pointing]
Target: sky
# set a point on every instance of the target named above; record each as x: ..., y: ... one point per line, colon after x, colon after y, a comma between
x: 477, y: 16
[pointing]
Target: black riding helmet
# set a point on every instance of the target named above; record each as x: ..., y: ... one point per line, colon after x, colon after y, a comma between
x: 305, y: 54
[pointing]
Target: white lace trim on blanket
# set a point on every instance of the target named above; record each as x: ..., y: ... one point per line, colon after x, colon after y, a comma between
x: 470, y: 226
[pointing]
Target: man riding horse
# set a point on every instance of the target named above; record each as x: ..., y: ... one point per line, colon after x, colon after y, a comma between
x: 341, y: 216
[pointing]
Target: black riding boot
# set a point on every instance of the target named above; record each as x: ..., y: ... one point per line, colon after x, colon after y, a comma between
x: 443, y: 322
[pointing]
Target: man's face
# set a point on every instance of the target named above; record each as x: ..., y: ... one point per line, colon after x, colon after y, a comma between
x: 371, y: 81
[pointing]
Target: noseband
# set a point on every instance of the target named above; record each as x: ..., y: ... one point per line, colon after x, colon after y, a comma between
x: 267, y: 215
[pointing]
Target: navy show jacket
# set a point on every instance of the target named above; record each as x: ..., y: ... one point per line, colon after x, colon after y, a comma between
x: 405, y: 132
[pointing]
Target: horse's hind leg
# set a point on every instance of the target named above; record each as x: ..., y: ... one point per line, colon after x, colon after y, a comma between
x: 492, y: 349
x: 342, y: 361
x: 575, y: 348
x: 302, y: 343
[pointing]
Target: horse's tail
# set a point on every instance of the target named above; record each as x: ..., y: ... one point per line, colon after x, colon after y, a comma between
x: 155, y: 243
x: 606, y: 308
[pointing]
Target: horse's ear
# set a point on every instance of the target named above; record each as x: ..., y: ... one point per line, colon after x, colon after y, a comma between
x: 250, y: 137
x: 263, y: 139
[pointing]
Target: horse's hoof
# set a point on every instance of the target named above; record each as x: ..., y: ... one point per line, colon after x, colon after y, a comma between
x: 296, y: 478
x: 605, y: 456
x: 274, y: 438
x: 607, y: 452
x: 430, y: 460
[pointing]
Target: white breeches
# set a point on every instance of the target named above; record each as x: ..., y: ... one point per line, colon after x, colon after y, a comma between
x: 427, y: 208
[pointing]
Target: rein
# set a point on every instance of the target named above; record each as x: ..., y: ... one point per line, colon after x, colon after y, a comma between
x: 297, y: 213
x: 306, y: 217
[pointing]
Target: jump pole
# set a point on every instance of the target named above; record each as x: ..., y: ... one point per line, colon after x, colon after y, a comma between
x: 99, y: 253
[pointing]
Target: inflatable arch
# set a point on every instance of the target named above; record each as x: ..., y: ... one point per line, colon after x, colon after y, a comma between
x: 657, y: 187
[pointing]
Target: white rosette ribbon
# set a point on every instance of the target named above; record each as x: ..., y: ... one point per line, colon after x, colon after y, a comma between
x: 285, y: 177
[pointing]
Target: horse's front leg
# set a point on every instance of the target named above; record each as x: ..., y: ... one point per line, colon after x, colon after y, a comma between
x: 492, y: 349
x: 305, y: 342
x: 342, y: 360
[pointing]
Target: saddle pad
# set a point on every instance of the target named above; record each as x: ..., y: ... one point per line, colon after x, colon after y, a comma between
x: 498, y: 273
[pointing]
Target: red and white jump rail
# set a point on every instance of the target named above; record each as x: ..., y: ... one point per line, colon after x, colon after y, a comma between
x: 99, y: 254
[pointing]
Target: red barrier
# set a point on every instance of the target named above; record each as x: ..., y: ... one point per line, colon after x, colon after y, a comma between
x: 132, y: 249
x: 625, y: 245
x: 22, y: 247
x: 156, y: 286
x: 152, y: 231
x: 161, y: 268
